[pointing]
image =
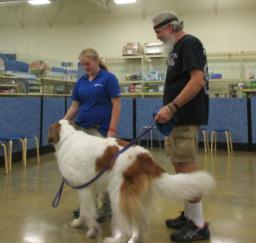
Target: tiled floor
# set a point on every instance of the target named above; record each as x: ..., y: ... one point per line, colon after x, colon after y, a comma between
x: 26, y: 215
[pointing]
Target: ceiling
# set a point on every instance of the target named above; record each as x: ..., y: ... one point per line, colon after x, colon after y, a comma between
x: 62, y: 9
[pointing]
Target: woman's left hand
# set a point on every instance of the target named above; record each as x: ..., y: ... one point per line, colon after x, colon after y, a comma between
x: 111, y: 134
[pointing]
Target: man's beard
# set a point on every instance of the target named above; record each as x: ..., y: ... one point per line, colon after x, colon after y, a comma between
x: 168, y: 45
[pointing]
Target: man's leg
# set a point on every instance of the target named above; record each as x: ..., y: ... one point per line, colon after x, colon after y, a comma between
x: 183, y: 151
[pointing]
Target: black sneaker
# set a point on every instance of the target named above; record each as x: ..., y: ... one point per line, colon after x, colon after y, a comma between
x: 178, y: 222
x: 191, y: 232
x: 76, y: 213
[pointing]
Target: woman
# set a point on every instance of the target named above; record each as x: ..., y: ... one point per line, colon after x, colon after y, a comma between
x: 96, y: 105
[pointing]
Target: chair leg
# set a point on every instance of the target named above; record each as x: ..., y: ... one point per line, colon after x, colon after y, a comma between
x: 230, y: 141
x: 207, y: 142
x: 205, y: 148
x: 10, y: 155
x: 151, y: 139
x: 37, y: 150
x: 5, y: 158
x: 212, y: 140
x: 227, y: 141
x: 25, y: 151
x: 22, y: 141
x: 215, y: 141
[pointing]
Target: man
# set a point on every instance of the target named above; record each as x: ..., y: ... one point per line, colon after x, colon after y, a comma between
x: 186, y: 98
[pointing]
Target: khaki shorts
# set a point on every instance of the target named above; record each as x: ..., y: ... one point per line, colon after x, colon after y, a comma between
x: 92, y: 131
x: 181, y: 144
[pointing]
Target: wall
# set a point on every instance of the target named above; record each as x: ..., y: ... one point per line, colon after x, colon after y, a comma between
x: 108, y: 32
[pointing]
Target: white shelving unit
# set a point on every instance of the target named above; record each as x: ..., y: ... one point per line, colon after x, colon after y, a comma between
x: 232, y: 68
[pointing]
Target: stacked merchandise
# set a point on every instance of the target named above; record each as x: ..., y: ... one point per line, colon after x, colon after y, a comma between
x: 132, y: 49
x: 153, y: 48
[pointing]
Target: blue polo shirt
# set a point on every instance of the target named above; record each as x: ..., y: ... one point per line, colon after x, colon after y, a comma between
x: 94, y: 98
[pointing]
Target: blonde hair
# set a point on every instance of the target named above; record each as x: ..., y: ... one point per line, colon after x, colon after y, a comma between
x: 93, y: 54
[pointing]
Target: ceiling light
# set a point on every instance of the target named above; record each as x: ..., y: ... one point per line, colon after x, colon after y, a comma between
x: 124, y: 1
x: 39, y: 2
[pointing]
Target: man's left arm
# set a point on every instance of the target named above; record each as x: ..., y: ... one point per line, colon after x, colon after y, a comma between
x: 192, y: 88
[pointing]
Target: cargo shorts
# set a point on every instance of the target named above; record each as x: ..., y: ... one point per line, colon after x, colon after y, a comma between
x: 181, y: 144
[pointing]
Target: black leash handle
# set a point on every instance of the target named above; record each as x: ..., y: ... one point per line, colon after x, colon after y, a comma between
x: 57, y: 197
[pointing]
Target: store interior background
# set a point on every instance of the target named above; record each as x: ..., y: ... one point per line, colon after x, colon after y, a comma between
x: 62, y: 29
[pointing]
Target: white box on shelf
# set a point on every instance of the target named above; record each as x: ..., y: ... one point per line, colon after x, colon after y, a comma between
x: 153, y: 48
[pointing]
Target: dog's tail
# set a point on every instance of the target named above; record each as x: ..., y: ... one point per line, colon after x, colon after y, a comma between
x: 184, y: 186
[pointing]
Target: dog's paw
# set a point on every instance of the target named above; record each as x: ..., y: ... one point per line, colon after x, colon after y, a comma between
x: 93, y: 232
x: 77, y: 223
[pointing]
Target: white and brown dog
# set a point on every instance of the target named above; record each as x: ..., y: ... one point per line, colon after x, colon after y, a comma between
x: 131, y: 180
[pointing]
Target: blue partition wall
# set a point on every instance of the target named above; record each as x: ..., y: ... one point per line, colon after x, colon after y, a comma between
x: 125, y: 126
x: 54, y: 110
x: 144, y: 114
x: 20, y: 116
x: 229, y: 113
x: 253, y: 114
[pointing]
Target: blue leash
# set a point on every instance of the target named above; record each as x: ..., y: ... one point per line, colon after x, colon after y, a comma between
x: 57, y: 197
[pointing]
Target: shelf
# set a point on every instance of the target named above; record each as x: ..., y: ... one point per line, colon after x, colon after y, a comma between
x: 154, y: 82
x: 224, y: 80
x: 248, y: 90
x: 9, y: 85
x: 16, y: 78
x: 132, y: 94
x: 106, y: 59
x: 52, y: 81
x: 131, y: 82
x: 153, y: 94
x: 155, y: 56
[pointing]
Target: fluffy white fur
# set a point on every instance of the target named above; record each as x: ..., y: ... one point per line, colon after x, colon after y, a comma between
x: 76, y: 153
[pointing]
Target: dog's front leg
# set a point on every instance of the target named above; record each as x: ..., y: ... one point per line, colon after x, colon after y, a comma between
x: 87, y: 213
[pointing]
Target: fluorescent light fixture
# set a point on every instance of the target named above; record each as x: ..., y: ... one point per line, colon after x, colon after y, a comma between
x: 124, y: 1
x: 39, y: 2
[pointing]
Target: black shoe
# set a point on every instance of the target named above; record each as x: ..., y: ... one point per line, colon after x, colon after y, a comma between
x: 191, y: 232
x: 76, y: 213
x: 178, y: 222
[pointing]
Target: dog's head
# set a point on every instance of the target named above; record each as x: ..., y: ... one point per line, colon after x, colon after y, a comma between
x: 54, y: 133
x: 55, y: 130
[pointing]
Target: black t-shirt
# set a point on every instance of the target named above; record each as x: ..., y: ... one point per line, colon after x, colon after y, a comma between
x: 188, y: 54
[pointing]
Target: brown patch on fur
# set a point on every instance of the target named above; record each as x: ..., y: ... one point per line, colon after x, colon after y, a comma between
x: 137, y: 182
x: 106, y: 159
x: 122, y: 143
x: 54, y: 133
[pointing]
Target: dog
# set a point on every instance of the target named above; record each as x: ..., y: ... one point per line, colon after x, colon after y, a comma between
x: 132, y: 180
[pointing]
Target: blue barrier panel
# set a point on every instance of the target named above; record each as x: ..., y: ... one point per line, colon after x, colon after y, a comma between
x: 229, y: 113
x: 253, y: 113
x: 54, y: 109
x: 144, y: 114
x: 125, y: 126
x: 20, y: 116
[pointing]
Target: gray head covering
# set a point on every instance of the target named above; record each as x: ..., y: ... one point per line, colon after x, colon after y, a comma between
x: 167, y: 17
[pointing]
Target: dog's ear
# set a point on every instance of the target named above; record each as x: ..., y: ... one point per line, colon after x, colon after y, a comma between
x: 54, y: 133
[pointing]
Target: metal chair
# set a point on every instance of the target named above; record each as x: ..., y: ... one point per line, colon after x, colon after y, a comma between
x: 228, y: 136
x: 23, y: 140
x: 10, y: 140
x: 150, y: 137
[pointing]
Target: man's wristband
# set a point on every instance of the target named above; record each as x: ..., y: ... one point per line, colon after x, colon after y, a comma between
x: 175, y: 105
